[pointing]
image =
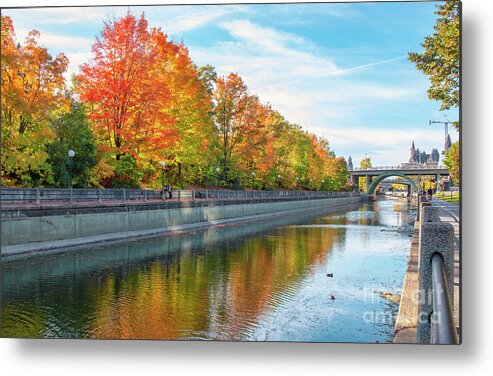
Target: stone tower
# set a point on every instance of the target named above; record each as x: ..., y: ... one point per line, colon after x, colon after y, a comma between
x: 448, y: 144
x: 412, y: 153
x: 436, y: 155
x: 349, y: 164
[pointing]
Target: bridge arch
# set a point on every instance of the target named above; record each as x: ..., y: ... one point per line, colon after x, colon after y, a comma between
x: 374, y: 184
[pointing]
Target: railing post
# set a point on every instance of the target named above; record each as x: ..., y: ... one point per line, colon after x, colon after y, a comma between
x: 99, y: 195
x: 124, y: 196
x: 38, y: 198
x: 70, y: 195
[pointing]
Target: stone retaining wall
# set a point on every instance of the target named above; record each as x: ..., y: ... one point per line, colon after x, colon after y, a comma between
x: 33, y: 227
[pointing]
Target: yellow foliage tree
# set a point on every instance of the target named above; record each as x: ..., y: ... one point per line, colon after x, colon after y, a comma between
x: 32, y: 93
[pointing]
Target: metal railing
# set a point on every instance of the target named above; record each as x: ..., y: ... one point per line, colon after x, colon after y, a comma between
x: 442, y: 330
x: 400, y: 167
x: 54, y: 195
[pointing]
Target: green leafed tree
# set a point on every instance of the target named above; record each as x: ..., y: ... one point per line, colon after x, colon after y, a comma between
x: 441, y: 57
x: 452, y: 161
x: 72, y: 132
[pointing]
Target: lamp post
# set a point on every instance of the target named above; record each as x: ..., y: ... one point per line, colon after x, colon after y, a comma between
x: 253, y: 180
x: 322, y: 186
x: 71, y: 154
x: 278, y: 181
x: 217, y: 176
x: 296, y: 186
x: 163, y: 165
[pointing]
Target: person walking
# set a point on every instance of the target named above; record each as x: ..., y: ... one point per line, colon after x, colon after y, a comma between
x: 170, y: 192
x: 430, y: 193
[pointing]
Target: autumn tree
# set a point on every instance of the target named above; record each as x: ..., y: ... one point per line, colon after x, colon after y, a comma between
x: 337, y: 174
x: 189, y: 105
x: 452, y: 161
x: 32, y: 94
x: 441, y: 57
x: 126, y: 102
x: 231, y: 102
x: 364, y: 164
x: 207, y: 76
x: 255, y: 154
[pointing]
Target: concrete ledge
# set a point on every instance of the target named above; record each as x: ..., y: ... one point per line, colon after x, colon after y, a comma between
x: 18, y: 251
x: 407, y: 317
x: 10, y: 210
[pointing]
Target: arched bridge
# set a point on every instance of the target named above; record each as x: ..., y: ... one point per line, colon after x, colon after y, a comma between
x: 375, y: 175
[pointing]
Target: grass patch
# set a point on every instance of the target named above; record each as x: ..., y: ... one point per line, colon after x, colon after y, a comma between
x: 445, y: 196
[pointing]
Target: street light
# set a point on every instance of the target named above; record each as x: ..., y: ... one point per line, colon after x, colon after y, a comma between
x: 163, y: 165
x: 71, y: 154
x: 253, y: 180
x: 216, y: 177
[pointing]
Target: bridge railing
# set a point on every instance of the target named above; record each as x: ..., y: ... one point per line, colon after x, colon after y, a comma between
x: 400, y: 167
x: 58, y: 195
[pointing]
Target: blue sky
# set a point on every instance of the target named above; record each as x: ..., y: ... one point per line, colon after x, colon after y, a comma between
x: 339, y: 70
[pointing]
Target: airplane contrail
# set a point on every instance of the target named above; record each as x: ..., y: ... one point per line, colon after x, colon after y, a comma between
x: 337, y: 72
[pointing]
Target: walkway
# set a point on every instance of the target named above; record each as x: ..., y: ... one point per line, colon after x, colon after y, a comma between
x: 450, y: 213
x: 405, y: 329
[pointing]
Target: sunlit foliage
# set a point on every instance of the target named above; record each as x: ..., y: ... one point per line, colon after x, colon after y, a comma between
x: 32, y: 94
x: 141, y: 101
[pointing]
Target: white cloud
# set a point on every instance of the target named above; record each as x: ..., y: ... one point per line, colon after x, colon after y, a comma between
x: 59, y: 42
x: 192, y: 19
x: 58, y: 16
x: 262, y: 56
x: 77, y: 49
x: 263, y: 37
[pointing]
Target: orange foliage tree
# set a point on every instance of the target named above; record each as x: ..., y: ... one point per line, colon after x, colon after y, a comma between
x: 125, y: 99
x: 189, y: 106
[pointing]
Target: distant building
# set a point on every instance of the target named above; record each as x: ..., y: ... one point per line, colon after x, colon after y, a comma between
x: 350, y: 164
x: 419, y: 158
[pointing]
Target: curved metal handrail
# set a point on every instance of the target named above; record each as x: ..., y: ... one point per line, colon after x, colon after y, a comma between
x: 442, y: 328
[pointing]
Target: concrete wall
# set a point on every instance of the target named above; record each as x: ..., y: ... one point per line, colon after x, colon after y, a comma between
x: 136, y: 251
x: 27, y: 229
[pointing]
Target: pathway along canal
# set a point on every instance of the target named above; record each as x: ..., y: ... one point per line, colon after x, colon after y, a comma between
x: 259, y: 281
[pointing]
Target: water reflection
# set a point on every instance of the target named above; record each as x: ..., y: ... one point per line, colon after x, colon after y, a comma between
x: 260, y: 281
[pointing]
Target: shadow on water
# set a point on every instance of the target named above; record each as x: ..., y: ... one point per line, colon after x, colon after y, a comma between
x: 258, y: 281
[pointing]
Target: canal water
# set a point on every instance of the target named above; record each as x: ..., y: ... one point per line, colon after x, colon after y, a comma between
x: 263, y: 281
